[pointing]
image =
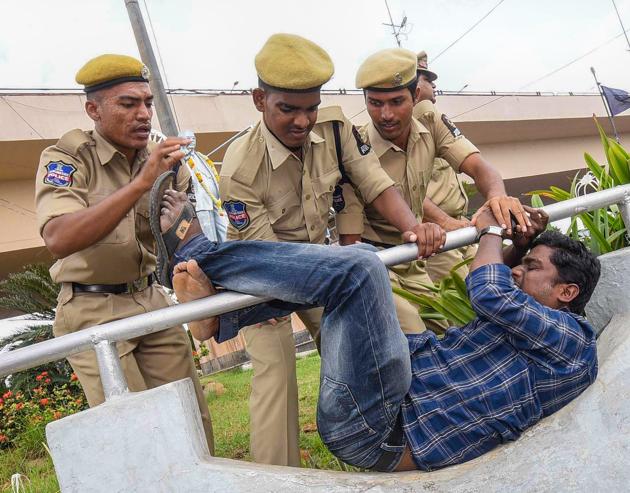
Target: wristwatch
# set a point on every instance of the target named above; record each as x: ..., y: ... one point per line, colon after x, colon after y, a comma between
x: 491, y: 230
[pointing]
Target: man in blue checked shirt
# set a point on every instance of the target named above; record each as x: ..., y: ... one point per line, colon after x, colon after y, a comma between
x: 396, y: 402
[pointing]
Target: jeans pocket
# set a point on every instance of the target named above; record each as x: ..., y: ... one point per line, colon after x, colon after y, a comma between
x: 339, y: 420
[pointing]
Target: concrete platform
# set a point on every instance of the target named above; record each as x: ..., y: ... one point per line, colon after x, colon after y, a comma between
x: 153, y: 442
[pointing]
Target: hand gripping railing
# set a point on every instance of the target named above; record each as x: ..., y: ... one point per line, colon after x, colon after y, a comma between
x: 102, y: 338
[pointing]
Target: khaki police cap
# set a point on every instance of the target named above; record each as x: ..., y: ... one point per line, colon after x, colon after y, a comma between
x: 423, y: 66
x: 387, y: 70
x: 291, y: 63
x: 109, y: 70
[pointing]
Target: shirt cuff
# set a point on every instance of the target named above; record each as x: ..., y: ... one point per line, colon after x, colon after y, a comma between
x: 349, y: 223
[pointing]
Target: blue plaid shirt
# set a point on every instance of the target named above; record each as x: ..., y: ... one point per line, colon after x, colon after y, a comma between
x: 485, y: 383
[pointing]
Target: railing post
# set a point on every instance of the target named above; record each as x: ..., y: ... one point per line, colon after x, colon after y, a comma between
x: 624, y: 208
x: 112, y: 376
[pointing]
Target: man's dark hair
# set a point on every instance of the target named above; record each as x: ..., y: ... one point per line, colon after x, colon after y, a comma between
x: 575, y: 265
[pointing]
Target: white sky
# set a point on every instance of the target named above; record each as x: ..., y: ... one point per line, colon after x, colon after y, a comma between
x: 211, y: 44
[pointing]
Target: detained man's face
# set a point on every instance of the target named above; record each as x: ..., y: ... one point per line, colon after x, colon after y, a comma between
x: 538, y: 277
x: 289, y: 116
x: 391, y: 113
x: 123, y: 113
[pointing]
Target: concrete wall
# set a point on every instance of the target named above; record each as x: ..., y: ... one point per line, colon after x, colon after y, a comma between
x: 524, y: 136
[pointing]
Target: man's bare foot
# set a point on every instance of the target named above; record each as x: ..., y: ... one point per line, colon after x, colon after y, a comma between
x: 191, y: 283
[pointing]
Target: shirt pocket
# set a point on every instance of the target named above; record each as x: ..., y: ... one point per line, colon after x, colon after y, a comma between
x: 323, y: 187
x: 122, y: 232
x: 285, y: 213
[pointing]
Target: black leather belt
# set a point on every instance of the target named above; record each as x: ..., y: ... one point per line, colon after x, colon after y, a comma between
x: 395, y: 439
x: 124, y: 288
x: 377, y: 244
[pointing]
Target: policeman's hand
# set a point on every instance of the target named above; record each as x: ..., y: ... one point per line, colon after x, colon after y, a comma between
x: 451, y: 224
x: 501, y: 206
x: 429, y: 236
x: 162, y: 159
x: 539, y: 220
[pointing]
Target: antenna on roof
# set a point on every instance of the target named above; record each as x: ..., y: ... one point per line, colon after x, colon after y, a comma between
x: 398, y: 30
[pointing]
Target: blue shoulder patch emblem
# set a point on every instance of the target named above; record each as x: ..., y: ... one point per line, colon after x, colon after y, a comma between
x: 59, y: 174
x: 237, y: 214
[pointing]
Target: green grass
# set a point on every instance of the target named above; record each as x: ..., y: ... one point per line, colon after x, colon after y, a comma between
x: 230, y: 417
x: 30, y: 459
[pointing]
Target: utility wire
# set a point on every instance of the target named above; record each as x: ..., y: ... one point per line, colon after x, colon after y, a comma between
x: 21, y: 117
x: 157, y: 47
x: 553, y: 72
x: 465, y: 33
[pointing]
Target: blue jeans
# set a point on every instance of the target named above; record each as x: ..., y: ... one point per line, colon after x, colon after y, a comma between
x: 365, y: 364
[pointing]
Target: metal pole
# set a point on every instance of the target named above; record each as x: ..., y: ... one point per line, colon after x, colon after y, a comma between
x: 608, y: 112
x: 391, y: 20
x: 148, y: 323
x: 623, y: 29
x: 230, y: 140
x: 624, y: 208
x: 112, y: 376
x: 164, y: 111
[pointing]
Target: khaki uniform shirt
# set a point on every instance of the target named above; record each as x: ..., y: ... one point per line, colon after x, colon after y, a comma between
x: 432, y: 135
x: 79, y: 171
x: 446, y: 191
x: 270, y: 194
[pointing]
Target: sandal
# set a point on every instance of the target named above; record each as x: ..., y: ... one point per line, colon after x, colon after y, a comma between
x: 168, y: 240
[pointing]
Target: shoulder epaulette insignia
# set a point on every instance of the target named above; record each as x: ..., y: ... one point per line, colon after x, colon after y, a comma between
x: 71, y: 142
x: 424, y: 110
x: 329, y: 114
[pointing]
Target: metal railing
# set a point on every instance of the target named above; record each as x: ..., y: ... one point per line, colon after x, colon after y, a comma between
x: 102, y: 338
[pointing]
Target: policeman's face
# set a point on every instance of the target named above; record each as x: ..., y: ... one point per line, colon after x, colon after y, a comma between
x: 391, y: 113
x: 538, y: 277
x: 426, y: 89
x: 289, y: 116
x: 122, y: 114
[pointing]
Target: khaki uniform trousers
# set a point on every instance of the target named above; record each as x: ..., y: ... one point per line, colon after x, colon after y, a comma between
x: 147, y: 361
x: 273, y: 402
x: 440, y: 266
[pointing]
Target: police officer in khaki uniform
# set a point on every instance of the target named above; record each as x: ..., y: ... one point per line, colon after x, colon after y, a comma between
x: 92, y: 200
x: 406, y: 147
x: 277, y: 184
x: 445, y: 190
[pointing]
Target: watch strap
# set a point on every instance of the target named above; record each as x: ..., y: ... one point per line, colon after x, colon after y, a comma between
x: 491, y: 230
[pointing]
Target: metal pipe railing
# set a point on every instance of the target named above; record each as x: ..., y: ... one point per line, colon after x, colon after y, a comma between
x: 147, y: 323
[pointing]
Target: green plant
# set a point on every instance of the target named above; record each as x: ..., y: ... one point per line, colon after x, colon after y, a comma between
x: 449, y: 300
x: 30, y: 291
x: 603, y: 229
